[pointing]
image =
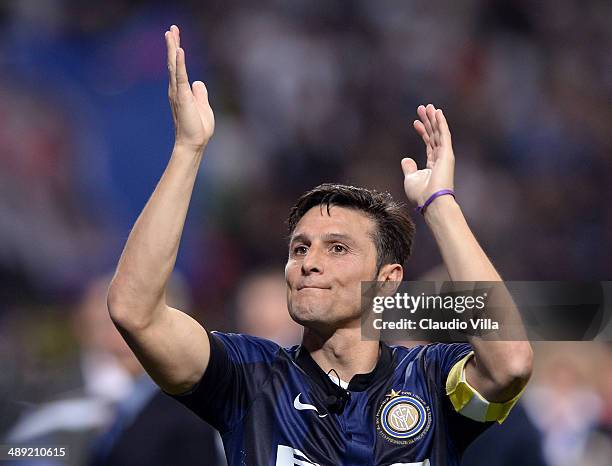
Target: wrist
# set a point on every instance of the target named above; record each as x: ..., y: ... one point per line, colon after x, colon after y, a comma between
x: 189, y: 149
x: 422, y: 207
x: 441, y: 208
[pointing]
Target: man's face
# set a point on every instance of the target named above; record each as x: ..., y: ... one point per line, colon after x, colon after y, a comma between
x: 329, y: 256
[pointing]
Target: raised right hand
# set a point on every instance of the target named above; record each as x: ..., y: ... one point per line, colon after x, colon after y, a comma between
x: 194, y: 121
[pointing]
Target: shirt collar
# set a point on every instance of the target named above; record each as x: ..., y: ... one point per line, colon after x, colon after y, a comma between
x: 358, y: 383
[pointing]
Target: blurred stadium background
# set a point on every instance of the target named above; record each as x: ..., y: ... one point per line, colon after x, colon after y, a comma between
x: 303, y: 92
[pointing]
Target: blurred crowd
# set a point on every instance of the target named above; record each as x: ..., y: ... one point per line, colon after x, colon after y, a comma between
x: 303, y: 92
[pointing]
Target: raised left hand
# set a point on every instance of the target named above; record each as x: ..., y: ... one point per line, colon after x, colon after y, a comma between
x: 439, y: 170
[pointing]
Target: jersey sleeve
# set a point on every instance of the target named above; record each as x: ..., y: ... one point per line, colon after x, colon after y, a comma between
x: 468, y: 402
x: 449, y: 361
x: 440, y: 359
x: 238, y: 367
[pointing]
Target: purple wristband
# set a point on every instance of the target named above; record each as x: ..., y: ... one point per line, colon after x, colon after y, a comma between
x: 442, y: 192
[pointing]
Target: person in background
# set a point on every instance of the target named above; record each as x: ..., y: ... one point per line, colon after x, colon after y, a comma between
x: 568, y: 400
x: 104, y: 376
x: 261, y: 305
x: 114, y: 394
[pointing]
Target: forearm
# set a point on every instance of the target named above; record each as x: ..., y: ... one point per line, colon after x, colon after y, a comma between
x: 464, y: 258
x: 138, y: 287
x: 502, y: 363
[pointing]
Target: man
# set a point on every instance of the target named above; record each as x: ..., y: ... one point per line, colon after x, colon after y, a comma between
x: 276, y: 406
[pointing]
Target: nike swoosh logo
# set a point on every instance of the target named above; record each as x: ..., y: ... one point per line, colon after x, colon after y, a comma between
x: 303, y: 406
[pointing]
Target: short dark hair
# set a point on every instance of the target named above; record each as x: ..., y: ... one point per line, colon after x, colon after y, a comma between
x: 394, y: 231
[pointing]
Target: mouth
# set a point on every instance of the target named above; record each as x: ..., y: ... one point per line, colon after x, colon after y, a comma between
x: 300, y: 288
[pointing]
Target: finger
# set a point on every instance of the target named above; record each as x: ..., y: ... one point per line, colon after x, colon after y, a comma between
x: 422, y: 112
x: 430, y: 111
x: 171, y: 48
x: 420, y: 128
x: 176, y: 33
x: 436, y: 127
x: 445, y: 135
x: 421, y: 131
x: 182, y: 80
x: 200, y: 93
x: 409, y: 166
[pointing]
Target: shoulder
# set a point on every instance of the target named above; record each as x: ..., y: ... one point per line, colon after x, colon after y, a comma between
x: 445, y: 352
x: 403, y: 354
x: 436, y: 356
x: 430, y: 349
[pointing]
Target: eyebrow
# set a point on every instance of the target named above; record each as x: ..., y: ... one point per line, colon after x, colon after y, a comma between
x: 328, y: 237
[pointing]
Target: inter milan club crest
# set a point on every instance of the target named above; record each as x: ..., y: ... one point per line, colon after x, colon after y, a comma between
x: 403, y: 418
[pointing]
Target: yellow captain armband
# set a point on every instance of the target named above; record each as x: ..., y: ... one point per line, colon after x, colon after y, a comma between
x: 471, y: 404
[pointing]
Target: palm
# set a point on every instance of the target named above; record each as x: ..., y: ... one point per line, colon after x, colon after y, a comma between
x: 439, y: 169
x: 194, y: 120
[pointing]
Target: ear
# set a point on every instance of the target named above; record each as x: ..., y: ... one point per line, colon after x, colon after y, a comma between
x: 388, y: 279
x: 390, y: 273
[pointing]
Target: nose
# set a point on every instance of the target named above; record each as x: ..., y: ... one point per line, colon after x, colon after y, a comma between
x: 312, y: 262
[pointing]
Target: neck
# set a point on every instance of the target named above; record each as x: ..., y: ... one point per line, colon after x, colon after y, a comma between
x: 343, y: 350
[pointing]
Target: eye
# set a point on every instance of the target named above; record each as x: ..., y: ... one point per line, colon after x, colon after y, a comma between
x: 339, y: 248
x: 300, y: 250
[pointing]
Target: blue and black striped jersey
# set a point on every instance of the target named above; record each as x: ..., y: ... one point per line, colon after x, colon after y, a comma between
x: 275, y: 406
